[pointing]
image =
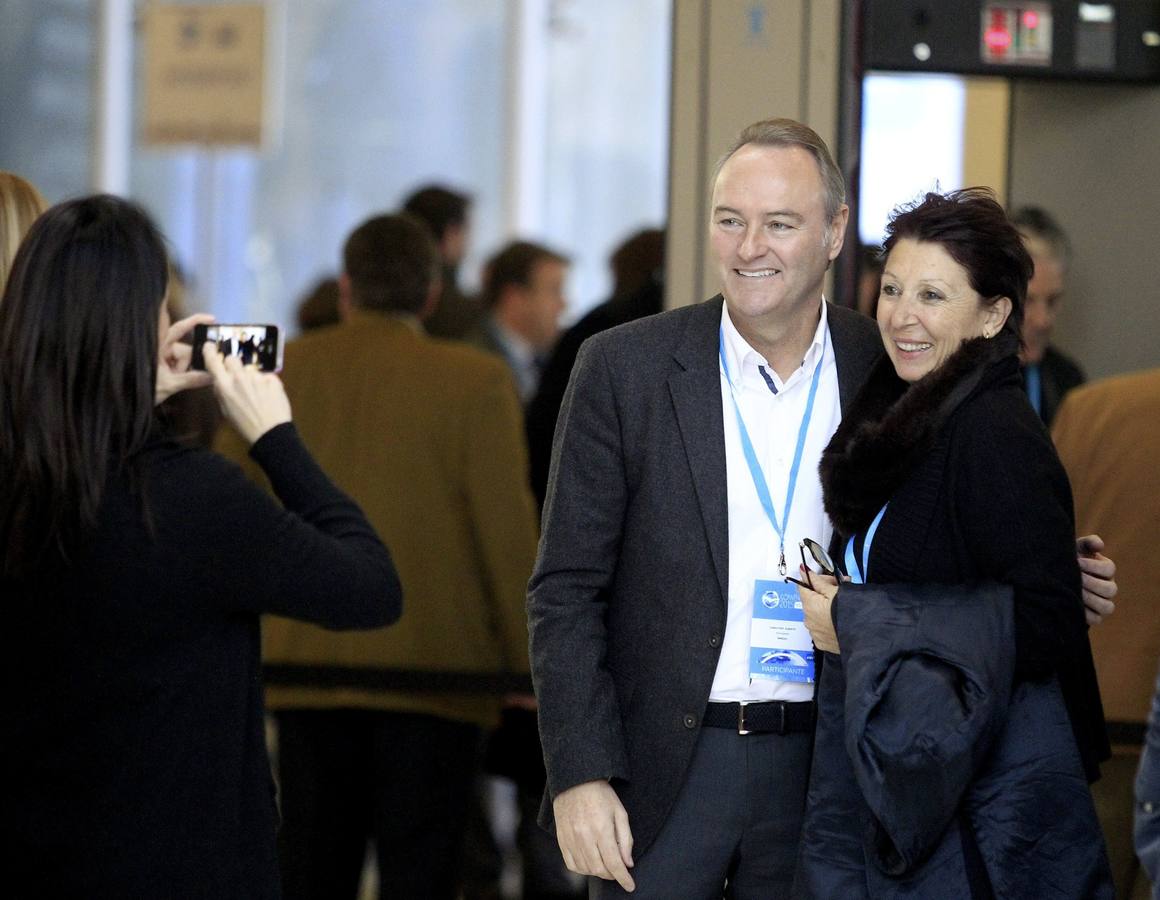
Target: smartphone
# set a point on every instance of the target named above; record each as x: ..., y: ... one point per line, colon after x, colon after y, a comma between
x: 258, y: 344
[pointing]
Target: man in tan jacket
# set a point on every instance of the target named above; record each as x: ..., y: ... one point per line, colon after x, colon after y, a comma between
x: 379, y: 731
x: 1108, y: 439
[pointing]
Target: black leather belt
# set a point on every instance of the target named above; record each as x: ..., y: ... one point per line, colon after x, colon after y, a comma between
x: 764, y: 717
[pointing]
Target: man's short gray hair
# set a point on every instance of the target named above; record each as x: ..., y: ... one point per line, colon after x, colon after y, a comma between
x: 791, y: 133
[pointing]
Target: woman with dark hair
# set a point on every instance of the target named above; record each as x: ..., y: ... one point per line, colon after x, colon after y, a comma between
x: 132, y: 574
x: 958, y: 707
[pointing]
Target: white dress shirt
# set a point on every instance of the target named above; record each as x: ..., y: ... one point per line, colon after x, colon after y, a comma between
x: 521, y: 358
x: 773, y: 421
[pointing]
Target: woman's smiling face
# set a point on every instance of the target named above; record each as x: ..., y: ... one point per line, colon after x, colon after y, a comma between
x: 927, y: 308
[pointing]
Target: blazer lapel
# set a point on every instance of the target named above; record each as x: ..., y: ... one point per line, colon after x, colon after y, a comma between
x: 696, y: 393
x: 857, y: 347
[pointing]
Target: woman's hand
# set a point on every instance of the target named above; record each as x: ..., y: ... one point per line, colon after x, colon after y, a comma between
x: 251, y: 400
x: 173, y: 374
x: 816, y: 604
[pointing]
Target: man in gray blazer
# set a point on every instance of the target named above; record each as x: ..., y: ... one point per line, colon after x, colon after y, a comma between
x: 635, y: 621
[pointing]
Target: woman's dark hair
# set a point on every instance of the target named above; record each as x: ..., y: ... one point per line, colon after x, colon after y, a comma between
x: 78, y: 365
x: 972, y: 227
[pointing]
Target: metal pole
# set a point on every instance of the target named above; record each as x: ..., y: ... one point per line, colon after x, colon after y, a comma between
x: 113, y: 101
x: 527, y: 116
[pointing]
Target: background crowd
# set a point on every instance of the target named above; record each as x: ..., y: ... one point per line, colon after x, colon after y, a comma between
x: 394, y: 570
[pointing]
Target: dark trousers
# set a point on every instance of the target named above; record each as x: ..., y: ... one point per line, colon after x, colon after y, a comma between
x: 735, y: 827
x: 346, y: 776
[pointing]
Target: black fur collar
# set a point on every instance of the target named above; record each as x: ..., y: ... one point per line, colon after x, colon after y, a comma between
x: 891, y: 426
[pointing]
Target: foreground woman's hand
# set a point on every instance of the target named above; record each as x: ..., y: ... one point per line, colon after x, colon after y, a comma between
x: 251, y: 400
x: 173, y: 373
x: 1099, y: 578
x: 816, y: 604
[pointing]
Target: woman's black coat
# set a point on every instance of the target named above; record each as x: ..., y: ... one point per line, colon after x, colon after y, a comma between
x: 976, y: 496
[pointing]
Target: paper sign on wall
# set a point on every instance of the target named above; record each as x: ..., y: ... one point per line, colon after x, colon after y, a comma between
x: 204, y: 73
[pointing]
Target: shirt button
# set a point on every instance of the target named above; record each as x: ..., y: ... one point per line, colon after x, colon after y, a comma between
x: 690, y: 720
x: 715, y: 640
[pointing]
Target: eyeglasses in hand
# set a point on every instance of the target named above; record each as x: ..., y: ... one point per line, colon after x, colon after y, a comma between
x: 821, y: 559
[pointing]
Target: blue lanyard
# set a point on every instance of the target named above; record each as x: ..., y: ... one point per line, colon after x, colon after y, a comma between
x: 1034, y: 387
x: 751, y: 455
x: 857, y: 574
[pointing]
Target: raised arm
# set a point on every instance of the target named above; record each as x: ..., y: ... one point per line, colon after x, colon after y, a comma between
x: 316, y: 557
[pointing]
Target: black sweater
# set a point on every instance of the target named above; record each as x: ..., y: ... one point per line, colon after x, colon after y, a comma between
x: 976, y: 494
x: 132, y: 755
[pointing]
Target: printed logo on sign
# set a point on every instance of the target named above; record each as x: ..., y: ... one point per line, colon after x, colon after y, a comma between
x: 772, y: 600
x: 782, y: 657
x: 782, y: 664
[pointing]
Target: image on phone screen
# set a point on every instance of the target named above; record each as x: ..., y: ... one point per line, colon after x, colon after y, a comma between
x: 252, y: 344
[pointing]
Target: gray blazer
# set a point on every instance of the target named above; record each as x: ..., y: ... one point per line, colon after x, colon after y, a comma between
x: 627, y: 601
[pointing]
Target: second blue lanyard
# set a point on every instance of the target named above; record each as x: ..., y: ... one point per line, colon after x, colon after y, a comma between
x: 755, y: 470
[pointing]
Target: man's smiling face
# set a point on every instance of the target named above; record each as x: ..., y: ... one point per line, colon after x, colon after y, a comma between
x: 769, y: 233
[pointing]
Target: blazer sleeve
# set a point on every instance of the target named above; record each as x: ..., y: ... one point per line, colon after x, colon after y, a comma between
x: 314, y: 557
x: 568, y: 597
x: 501, y: 510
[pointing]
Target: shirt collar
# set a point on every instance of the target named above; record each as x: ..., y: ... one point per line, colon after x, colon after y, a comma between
x: 410, y: 320
x: 515, y: 347
x: 743, y: 359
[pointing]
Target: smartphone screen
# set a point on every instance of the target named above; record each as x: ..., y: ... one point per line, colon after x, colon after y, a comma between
x: 252, y: 344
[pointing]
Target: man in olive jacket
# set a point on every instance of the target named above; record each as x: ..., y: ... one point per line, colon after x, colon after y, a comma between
x: 1108, y: 441
x: 379, y: 731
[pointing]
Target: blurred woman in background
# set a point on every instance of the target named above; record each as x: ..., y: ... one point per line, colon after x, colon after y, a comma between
x: 132, y: 574
x: 20, y: 204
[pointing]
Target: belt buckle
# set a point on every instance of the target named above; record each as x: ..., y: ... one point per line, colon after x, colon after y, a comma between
x: 782, y: 710
x: 741, y: 704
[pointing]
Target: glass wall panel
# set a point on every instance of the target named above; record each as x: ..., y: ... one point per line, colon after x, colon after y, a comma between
x: 606, y: 159
x: 374, y: 99
x: 46, y: 68
x: 912, y: 142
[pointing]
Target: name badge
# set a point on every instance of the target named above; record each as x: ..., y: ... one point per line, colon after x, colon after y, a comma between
x: 780, y: 646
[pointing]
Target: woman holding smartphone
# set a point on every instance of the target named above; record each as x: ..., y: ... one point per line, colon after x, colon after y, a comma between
x: 132, y: 574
